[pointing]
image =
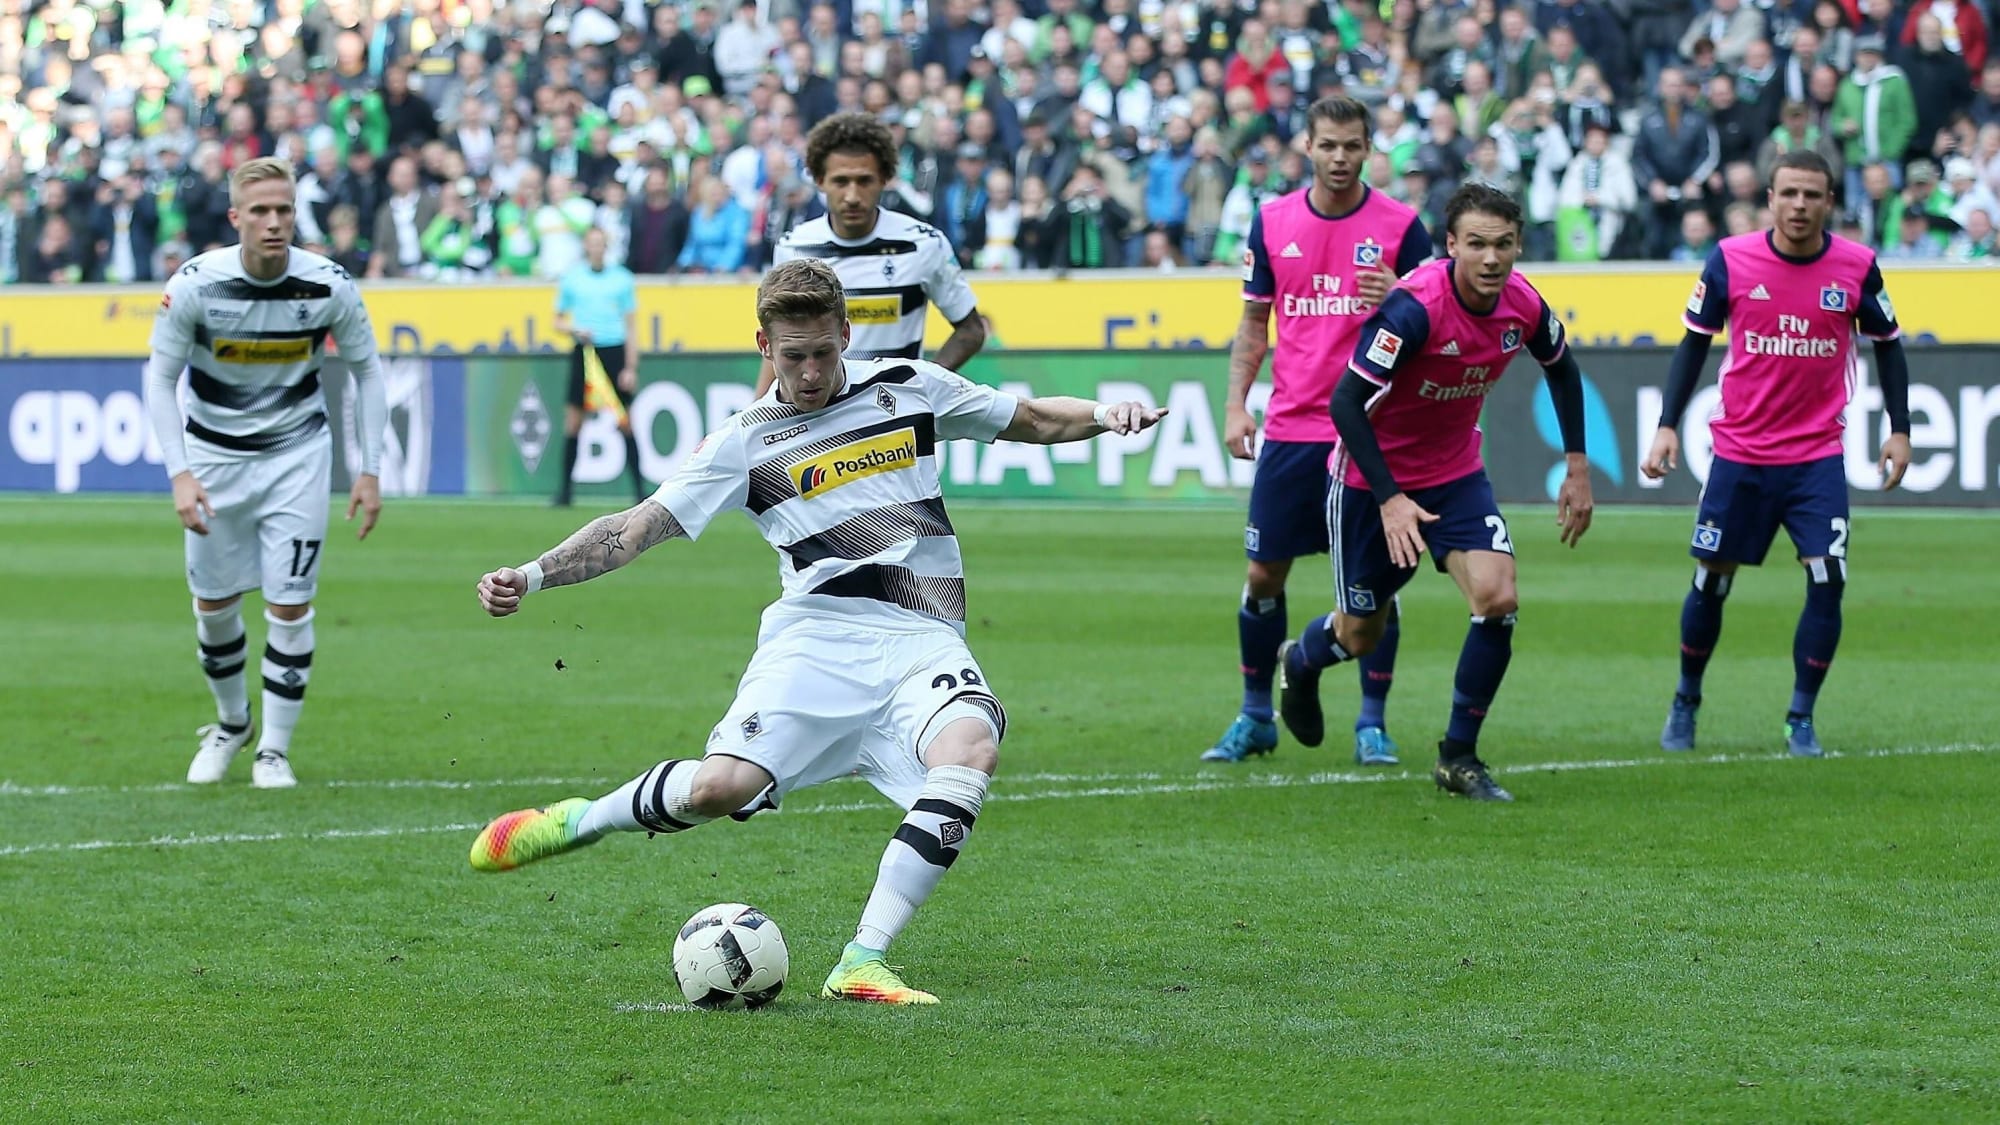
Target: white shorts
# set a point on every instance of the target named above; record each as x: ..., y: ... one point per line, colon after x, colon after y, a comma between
x: 821, y: 701
x: 270, y: 521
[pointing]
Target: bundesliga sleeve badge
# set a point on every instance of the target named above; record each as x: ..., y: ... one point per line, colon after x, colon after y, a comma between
x: 1699, y: 297
x: 1384, y: 348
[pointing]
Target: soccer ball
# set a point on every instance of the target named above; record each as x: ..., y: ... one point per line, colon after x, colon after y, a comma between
x: 730, y: 953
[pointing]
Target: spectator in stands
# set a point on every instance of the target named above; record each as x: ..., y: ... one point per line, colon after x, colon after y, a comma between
x: 1738, y: 128
x: 1672, y: 158
x: 1976, y: 241
x: 560, y: 224
x: 1836, y: 41
x: 718, y: 232
x: 400, y: 222
x: 1796, y: 131
x: 53, y: 256
x: 124, y: 230
x: 1963, y: 28
x: 1091, y: 224
x: 1729, y: 25
x: 1874, y: 114
x: 1940, y: 83
x: 659, y: 226
x: 1600, y: 182
x: 1697, y: 238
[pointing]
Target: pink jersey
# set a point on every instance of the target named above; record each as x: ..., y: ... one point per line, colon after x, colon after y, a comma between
x: 1303, y: 264
x: 1436, y: 361
x: 1790, y: 368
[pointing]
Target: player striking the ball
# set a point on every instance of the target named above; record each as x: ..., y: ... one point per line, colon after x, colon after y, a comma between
x: 1793, y: 297
x: 1322, y: 259
x: 861, y: 665
x: 252, y: 461
x: 1407, y: 412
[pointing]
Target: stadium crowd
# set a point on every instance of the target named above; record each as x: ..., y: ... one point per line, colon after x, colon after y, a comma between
x: 458, y: 139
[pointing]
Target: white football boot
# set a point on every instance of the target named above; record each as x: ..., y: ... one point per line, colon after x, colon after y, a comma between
x: 272, y: 770
x: 218, y: 747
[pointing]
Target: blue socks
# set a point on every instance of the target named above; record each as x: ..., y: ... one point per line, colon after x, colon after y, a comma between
x: 1819, y: 633
x: 1317, y: 646
x: 1378, y: 673
x: 1260, y: 629
x: 1701, y: 627
x: 1482, y: 664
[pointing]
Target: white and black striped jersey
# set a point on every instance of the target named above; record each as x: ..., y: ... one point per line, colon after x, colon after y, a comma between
x: 848, y: 494
x: 254, y: 349
x: 889, y: 277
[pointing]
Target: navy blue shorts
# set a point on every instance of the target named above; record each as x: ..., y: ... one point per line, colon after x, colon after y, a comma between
x: 1468, y: 519
x: 1742, y: 507
x: 1288, y: 501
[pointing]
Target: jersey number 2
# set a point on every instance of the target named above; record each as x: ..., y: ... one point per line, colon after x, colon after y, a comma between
x: 1500, y: 541
x: 1839, y: 548
x: 305, y: 552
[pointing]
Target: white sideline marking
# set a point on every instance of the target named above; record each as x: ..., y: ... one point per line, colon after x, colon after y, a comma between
x: 12, y: 789
x: 1209, y: 783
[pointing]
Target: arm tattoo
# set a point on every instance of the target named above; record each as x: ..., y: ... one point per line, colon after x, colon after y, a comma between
x: 609, y: 542
x: 1246, y: 355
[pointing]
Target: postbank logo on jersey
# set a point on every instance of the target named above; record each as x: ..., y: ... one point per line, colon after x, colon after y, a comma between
x: 857, y: 460
x: 874, y: 310
x: 263, y: 351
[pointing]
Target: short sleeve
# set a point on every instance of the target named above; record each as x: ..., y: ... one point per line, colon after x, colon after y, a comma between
x: 565, y: 294
x: 965, y: 409
x: 174, y: 324
x: 716, y: 479
x: 1390, y: 336
x: 947, y: 287
x: 1416, y: 248
x: 352, y: 331
x: 1877, y: 317
x: 1259, y: 283
x: 628, y: 296
x: 1549, y: 341
x: 1708, y: 305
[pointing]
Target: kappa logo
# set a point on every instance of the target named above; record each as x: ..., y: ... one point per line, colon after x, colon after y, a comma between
x: 885, y: 400
x: 1362, y: 600
x: 263, y: 352
x: 752, y: 726
x: 1707, y: 537
x: 1450, y: 348
x: 1510, y: 340
x: 1384, y: 348
x: 222, y: 313
x: 773, y: 439
x: 1760, y: 294
x: 1368, y: 254
x: 857, y: 460
x: 1291, y: 250
x: 1833, y: 298
x: 951, y: 833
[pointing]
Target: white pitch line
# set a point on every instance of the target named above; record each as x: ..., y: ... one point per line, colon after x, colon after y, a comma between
x: 14, y: 789
x: 637, y: 1006
x: 1209, y: 784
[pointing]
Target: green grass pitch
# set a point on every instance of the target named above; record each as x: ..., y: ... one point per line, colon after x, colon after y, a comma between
x: 1729, y: 936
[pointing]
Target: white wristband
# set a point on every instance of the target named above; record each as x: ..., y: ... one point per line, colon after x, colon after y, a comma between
x: 1098, y: 415
x: 532, y: 571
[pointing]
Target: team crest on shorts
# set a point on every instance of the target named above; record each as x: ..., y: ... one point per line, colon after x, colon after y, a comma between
x: 1368, y: 254
x: 885, y: 400
x: 1510, y: 340
x: 1362, y: 600
x: 752, y: 726
x: 1707, y: 537
x: 1251, y: 538
x: 1833, y: 299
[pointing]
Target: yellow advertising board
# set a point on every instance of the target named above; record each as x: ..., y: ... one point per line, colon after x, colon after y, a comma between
x: 1115, y: 312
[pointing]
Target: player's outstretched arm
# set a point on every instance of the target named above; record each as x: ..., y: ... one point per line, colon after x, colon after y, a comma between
x: 1574, y: 503
x: 1892, y: 367
x: 1059, y: 419
x: 600, y: 547
x: 1682, y: 374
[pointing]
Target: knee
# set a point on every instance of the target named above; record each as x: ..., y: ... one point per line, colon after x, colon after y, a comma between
x: 289, y: 612
x: 1825, y: 577
x: 1265, y: 579
x: 967, y: 743
x: 1494, y: 599
x: 1359, y: 635
x: 717, y: 793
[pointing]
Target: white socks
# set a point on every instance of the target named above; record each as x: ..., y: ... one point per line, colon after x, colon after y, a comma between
x: 659, y: 800
x: 288, y: 657
x: 924, y: 847
x: 220, y: 632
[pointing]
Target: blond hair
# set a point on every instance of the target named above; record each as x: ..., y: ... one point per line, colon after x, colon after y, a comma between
x: 801, y: 289
x: 257, y: 171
